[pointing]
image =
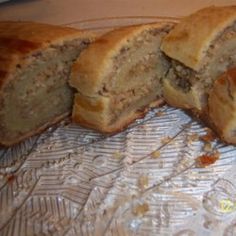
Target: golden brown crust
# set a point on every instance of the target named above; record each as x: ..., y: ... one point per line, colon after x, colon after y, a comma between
x: 96, y: 61
x: 189, y: 41
x: 20, y: 39
x: 222, y: 106
x: 94, y: 115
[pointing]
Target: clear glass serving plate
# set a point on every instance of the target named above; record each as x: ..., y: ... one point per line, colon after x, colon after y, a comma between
x: 155, y: 178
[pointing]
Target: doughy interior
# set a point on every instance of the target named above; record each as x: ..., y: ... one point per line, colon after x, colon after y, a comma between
x: 137, y: 74
x: 39, y: 92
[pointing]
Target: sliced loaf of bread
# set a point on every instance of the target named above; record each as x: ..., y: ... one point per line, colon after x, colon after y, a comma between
x: 118, y: 77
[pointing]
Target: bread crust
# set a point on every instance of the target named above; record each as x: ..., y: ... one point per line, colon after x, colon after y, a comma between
x: 189, y: 41
x: 96, y: 61
x: 96, y: 117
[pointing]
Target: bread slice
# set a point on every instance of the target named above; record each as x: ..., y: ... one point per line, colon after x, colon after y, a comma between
x: 222, y: 106
x: 118, y: 77
x: 201, y: 47
x: 35, y: 65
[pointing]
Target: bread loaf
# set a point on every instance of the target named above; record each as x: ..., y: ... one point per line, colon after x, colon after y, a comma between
x: 35, y: 65
x: 118, y: 77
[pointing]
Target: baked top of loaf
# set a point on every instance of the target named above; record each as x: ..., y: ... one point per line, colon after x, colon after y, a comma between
x: 19, y: 39
x: 189, y: 41
x: 96, y: 61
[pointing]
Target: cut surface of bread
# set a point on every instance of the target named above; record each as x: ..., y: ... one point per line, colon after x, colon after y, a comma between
x: 222, y: 106
x: 118, y: 76
x: 35, y: 65
x: 201, y: 47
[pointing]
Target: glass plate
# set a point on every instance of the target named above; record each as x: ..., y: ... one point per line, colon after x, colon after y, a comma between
x: 146, y: 180
x: 105, y: 24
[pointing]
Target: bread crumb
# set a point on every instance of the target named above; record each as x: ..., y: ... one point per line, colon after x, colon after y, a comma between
x: 118, y: 155
x: 207, y: 147
x: 193, y: 137
x: 165, y: 140
x: 208, y: 137
x: 155, y: 154
x: 160, y: 113
x: 207, y: 159
x: 140, y: 209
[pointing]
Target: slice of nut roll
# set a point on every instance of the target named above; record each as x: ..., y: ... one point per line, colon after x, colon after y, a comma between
x: 222, y: 106
x: 201, y: 47
x: 35, y: 63
x: 118, y: 77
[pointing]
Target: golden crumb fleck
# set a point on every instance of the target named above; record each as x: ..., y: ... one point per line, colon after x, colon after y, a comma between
x: 140, y: 209
x: 160, y: 113
x: 143, y: 181
x: 118, y: 155
x: 207, y: 147
x: 165, y: 140
x: 193, y: 137
x: 155, y: 154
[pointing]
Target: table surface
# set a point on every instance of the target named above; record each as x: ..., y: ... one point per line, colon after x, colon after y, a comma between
x: 66, y: 11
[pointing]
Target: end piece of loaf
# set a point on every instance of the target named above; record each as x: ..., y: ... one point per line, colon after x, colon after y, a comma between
x: 222, y: 106
x: 35, y: 65
x: 118, y: 77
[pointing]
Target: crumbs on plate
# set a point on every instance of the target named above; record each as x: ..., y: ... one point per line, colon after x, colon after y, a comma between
x: 140, y: 209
